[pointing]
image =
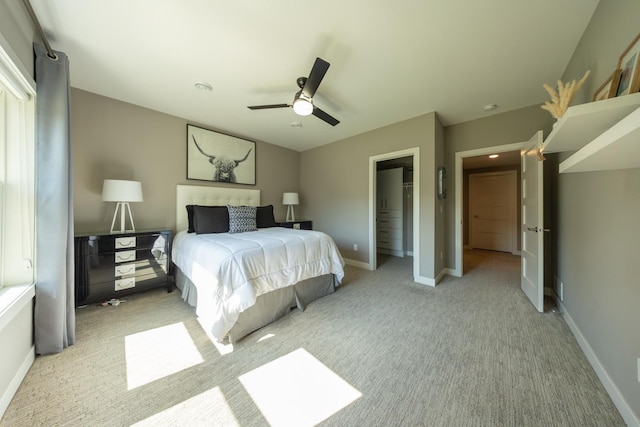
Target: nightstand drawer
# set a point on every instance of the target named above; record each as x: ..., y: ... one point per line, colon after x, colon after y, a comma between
x: 124, y: 256
x: 110, y: 243
x: 128, y: 269
x: 125, y: 242
x: 128, y: 283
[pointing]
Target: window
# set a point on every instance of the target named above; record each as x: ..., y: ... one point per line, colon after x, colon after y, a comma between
x: 17, y: 135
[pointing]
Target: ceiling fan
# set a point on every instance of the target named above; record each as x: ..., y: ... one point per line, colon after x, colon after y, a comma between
x: 303, y: 100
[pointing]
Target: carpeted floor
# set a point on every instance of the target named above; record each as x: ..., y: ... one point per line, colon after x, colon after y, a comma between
x: 381, y: 351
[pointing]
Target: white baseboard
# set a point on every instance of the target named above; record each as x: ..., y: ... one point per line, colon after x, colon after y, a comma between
x: 358, y: 264
x: 17, y: 380
x: 444, y: 272
x: 424, y: 280
x: 625, y: 410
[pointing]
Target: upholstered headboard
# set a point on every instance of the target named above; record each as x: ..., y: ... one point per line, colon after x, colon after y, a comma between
x: 210, y: 196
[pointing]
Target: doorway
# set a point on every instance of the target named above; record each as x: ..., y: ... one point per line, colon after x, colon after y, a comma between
x: 460, y: 220
x: 412, y: 155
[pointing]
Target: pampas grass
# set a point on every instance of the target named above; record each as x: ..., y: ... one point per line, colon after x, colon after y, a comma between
x: 561, y: 98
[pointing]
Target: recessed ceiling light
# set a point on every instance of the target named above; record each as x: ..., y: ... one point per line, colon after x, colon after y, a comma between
x: 494, y: 156
x: 296, y: 124
x: 489, y: 107
x: 203, y: 86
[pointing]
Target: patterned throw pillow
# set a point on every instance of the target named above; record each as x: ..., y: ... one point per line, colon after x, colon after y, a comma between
x: 242, y: 219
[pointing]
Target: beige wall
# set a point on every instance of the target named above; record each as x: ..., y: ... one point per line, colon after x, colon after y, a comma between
x: 16, y: 28
x: 598, y: 224
x: 113, y: 139
x: 334, y: 179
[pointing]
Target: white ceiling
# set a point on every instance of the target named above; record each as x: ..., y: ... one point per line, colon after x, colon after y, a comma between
x: 508, y: 158
x: 390, y: 61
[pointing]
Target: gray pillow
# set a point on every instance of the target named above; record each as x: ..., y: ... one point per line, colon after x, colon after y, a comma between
x: 242, y: 219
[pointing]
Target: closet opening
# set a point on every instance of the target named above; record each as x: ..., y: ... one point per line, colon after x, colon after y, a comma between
x: 394, y: 209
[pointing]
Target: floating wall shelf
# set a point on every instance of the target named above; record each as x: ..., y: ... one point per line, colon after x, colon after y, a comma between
x: 606, y: 134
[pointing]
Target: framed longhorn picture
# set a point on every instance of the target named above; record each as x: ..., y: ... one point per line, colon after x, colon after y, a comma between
x: 215, y: 156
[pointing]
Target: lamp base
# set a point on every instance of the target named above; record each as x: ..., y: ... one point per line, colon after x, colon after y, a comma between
x: 290, y: 215
x: 122, y: 206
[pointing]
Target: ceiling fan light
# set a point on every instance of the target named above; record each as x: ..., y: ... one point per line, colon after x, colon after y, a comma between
x: 302, y: 105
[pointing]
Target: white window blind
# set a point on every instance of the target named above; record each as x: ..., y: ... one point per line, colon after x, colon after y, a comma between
x: 17, y: 172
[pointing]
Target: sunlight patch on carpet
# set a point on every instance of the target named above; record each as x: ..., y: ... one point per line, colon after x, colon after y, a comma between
x: 297, y: 390
x: 199, y: 410
x: 158, y: 353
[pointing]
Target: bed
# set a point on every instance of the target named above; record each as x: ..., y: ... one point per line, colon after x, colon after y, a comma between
x: 239, y: 281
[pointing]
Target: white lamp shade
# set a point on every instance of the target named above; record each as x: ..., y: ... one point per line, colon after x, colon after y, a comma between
x: 290, y: 199
x: 117, y: 190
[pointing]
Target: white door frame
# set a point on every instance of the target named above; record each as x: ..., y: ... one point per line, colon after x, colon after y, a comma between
x: 373, y: 160
x: 460, y: 155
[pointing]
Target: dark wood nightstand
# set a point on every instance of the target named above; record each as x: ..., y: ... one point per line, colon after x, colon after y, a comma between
x: 299, y: 225
x: 113, y: 265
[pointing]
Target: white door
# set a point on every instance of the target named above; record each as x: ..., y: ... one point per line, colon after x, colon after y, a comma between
x: 532, y: 282
x: 492, y: 210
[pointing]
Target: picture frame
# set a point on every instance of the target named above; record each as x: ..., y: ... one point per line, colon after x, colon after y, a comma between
x: 218, y: 157
x: 609, y: 88
x: 630, y: 74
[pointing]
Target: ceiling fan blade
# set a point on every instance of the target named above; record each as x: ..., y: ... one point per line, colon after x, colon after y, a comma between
x: 325, y: 116
x: 316, y: 75
x: 264, y: 107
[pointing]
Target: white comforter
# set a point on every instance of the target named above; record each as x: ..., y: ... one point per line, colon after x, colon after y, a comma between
x: 231, y: 270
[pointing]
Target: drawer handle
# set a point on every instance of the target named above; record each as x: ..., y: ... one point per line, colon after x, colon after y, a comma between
x: 125, y: 244
x: 125, y: 258
x: 129, y: 270
x: 126, y: 285
x: 383, y: 231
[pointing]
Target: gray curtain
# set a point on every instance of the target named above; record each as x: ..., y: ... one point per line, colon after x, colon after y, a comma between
x: 54, y: 315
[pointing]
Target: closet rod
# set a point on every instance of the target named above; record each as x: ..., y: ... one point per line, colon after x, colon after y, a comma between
x: 34, y: 18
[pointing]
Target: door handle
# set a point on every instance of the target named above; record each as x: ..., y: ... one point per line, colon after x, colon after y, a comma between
x: 536, y: 229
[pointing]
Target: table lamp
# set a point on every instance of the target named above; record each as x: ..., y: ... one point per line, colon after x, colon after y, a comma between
x: 290, y: 199
x: 122, y: 192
